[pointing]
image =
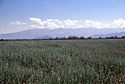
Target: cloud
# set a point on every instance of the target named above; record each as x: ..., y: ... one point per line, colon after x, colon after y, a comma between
x: 119, y: 23
x: 94, y: 24
x: 68, y: 23
x: 54, y: 23
x: 18, y: 23
x: 49, y: 23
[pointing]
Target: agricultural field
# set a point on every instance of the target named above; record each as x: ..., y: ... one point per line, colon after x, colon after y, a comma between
x: 99, y: 61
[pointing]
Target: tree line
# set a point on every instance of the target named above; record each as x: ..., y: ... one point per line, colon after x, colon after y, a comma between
x: 82, y: 37
x: 67, y: 38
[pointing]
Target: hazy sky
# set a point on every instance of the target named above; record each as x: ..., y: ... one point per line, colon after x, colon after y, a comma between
x: 18, y: 15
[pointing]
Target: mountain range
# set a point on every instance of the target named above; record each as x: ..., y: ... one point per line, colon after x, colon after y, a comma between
x: 60, y: 32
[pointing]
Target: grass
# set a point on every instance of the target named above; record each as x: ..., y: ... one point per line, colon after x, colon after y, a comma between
x: 63, y: 62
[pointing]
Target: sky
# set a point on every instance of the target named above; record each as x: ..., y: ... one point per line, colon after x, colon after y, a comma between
x: 19, y: 15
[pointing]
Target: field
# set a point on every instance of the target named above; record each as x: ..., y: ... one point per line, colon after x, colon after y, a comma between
x: 99, y: 61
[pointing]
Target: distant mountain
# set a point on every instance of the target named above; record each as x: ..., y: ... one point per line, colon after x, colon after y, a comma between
x: 120, y: 34
x: 60, y: 32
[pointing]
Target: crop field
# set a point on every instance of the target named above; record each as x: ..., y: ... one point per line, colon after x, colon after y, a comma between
x: 99, y: 61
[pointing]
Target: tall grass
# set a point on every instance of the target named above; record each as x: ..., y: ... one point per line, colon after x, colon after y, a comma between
x: 62, y: 62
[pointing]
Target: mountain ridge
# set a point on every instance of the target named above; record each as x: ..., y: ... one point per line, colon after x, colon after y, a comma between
x: 60, y: 32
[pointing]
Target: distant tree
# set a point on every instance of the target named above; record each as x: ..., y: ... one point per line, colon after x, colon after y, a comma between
x: 57, y: 38
x: 89, y: 37
x: 107, y: 37
x: 63, y: 38
x: 50, y: 38
x: 75, y: 37
x: 1, y: 39
x: 100, y: 38
x: 82, y: 37
x: 112, y: 37
x: 123, y: 37
x: 115, y: 37
x: 72, y: 37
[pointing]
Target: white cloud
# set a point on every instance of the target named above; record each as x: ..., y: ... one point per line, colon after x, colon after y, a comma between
x: 94, y: 24
x: 119, y: 23
x: 68, y: 23
x: 54, y: 23
x: 18, y: 23
x: 49, y: 23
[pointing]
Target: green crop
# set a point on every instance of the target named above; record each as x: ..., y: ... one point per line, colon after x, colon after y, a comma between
x: 63, y: 62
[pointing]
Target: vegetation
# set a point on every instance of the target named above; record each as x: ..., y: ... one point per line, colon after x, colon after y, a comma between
x: 99, y: 61
x: 67, y: 38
